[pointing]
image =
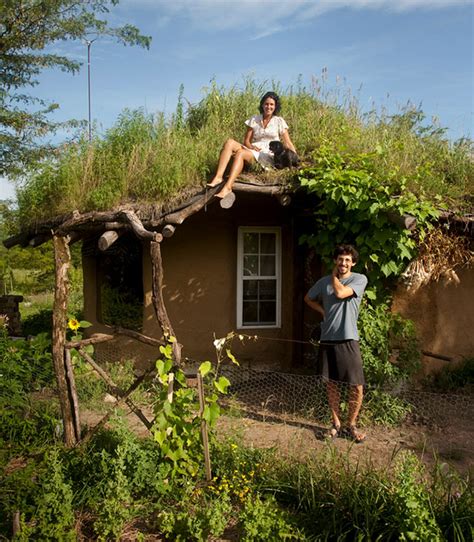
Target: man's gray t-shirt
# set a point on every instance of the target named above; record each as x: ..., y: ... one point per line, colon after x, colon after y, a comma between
x: 340, y: 320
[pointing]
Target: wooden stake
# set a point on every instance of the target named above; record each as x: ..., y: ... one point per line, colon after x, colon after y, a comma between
x: 204, y: 435
x: 158, y: 300
x: 72, y: 392
x: 62, y: 259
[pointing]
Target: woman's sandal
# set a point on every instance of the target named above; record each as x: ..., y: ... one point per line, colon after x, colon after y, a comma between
x: 354, y: 435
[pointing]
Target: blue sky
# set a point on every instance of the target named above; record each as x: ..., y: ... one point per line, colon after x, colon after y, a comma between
x: 386, y: 51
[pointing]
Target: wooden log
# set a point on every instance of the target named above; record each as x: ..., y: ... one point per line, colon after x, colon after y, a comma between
x: 94, y: 339
x: 62, y: 259
x: 158, y: 300
x: 19, y: 239
x: 179, y: 217
x: 121, y: 400
x: 107, y: 239
x: 436, y: 356
x: 72, y: 393
x: 138, y: 228
x: 139, y: 337
x: 405, y: 221
x: 38, y: 240
x: 116, y: 390
x: 168, y: 230
x: 204, y: 434
x: 258, y: 188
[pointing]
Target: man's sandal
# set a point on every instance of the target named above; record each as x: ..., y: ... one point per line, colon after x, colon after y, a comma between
x: 335, y: 431
x: 353, y: 434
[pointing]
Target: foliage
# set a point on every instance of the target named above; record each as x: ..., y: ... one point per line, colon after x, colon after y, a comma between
x: 27, y: 29
x: 263, y: 520
x: 121, y: 308
x: 412, y: 503
x: 388, y: 345
x: 25, y: 367
x: 355, y: 205
x: 456, y: 378
x: 384, y: 408
x: 177, y: 425
x: 52, y: 517
x: 150, y: 157
x: 197, y: 516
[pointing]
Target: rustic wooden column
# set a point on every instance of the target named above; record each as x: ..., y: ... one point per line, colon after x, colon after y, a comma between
x: 158, y: 301
x: 62, y: 259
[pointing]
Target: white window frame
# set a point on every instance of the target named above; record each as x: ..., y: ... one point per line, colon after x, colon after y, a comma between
x: 240, y: 276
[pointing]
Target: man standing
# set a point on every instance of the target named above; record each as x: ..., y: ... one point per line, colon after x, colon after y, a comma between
x: 337, y: 298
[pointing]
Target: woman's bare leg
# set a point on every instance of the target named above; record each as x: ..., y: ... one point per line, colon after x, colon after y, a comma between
x: 240, y: 157
x: 230, y: 147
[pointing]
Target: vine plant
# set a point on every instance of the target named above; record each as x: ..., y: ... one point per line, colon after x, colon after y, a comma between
x: 355, y: 206
x: 177, y: 424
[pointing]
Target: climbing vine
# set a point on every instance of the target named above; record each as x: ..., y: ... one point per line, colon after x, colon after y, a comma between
x: 355, y: 206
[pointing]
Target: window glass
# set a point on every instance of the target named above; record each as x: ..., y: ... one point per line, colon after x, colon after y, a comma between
x: 259, y: 278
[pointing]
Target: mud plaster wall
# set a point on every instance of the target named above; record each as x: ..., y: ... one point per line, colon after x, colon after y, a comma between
x: 200, y: 275
x: 444, y: 318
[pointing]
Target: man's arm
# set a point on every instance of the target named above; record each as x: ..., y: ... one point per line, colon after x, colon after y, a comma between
x: 340, y: 291
x: 314, y: 304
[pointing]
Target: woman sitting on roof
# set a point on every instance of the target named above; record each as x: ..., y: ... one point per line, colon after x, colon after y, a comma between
x: 261, y: 129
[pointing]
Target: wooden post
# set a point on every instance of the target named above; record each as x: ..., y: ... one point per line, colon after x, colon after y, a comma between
x: 62, y: 259
x: 204, y: 435
x: 158, y: 301
x: 72, y: 392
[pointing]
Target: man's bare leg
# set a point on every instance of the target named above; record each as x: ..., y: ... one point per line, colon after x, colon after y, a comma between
x: 356, y: 394
x: 334, y: 398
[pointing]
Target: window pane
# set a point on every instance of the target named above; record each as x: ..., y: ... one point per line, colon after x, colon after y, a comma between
x: 250, y: 266
x: 267, y: 290
x: 268, y: 312
x: 250, y: 312
x: 250, y: 243
x: 250, y: 290
x: 267, y: 266
x: 267, y: 243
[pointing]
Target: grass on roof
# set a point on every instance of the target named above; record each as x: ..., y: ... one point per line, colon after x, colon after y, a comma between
x: 149, y: 158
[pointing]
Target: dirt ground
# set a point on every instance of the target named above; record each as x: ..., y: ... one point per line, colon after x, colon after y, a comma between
x: 452, y: 443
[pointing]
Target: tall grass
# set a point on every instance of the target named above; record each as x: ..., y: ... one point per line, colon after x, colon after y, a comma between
x: 148, y: 157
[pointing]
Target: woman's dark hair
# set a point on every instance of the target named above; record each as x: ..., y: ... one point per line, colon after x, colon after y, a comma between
x: 274, y: 97
x: 343, y: 250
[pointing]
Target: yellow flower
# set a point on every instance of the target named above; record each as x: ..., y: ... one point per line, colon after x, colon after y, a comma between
x: 73, y: 324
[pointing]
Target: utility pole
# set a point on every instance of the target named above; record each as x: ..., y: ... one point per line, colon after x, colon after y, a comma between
x: 89, y: 43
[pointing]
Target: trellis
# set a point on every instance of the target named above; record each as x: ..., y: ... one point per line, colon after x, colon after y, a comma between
x: 62, y: 349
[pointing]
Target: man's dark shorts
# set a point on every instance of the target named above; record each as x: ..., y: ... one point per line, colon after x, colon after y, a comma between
x: 341, y: 361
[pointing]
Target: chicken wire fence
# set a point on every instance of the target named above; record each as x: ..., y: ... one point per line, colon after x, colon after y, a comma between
x: 299, y: 396
x: 304, y: 397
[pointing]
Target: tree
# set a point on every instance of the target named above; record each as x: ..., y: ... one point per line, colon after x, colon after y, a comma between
x: 27, y: 28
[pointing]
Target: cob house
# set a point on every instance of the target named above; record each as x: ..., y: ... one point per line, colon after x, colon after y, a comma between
x: 206, y: 271
x: 181, y: 265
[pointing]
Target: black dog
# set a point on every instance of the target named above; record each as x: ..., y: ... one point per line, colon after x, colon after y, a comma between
x: 283, y: 157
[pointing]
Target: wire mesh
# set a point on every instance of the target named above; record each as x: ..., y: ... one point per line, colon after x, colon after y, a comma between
x: 304, y: 396
x: 299, y: 396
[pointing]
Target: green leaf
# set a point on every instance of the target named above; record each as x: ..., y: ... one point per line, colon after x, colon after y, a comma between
x: 85, y: 324
x: 204, y: 368
x: 231, y: 357
x: 222, y: 384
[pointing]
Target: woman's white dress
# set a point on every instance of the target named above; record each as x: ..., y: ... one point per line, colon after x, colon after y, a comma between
x: 262, y: 137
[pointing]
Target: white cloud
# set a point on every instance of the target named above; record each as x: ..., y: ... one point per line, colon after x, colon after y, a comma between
x: 265, y: 17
